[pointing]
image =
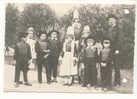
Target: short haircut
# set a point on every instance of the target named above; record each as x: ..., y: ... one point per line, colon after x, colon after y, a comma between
x: 42, y: 33
x: 52, y: 32
x: 111, y: 16
x: 106, y: 38
x: 90, y: 37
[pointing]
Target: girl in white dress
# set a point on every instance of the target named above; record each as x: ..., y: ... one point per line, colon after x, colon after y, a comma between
x: 68, y: 66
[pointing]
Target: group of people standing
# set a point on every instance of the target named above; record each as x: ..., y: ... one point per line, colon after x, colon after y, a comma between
x: 46, y: 55
x: 71, y: 58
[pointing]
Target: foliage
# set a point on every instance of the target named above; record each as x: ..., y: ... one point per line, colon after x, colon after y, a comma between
x: 43, y: 18
x: 11, y: 24
x: 96, y: 17
x: 39, y: 16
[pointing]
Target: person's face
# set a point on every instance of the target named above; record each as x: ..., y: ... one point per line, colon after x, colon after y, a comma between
x: 30, y: 34
x: 90, y: 42
x: 54, y: 35
x: 69, y: 38
x: 85, y: 35
x: 43, y: 36
x: 106, y: 43
x: 77, y: 20
x: 24, y: 39
x: 112, y: 22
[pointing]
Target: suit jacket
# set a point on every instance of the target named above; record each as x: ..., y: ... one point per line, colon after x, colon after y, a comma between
x: 114, y: 35
x: 39, y: 51
x: 106, y: 55
x: 55, y: 48
x: 22, y: 53
x: 89, y: 53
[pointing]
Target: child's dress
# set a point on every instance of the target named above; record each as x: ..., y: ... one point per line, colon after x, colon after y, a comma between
x: 68, y: 66
x: 32, y: 43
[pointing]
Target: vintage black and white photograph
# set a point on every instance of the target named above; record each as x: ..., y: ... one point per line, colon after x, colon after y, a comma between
x: 69, y: 47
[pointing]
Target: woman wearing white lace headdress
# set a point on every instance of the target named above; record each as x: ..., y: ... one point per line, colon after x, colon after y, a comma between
x: 31, y: 42
x: 68, y: 67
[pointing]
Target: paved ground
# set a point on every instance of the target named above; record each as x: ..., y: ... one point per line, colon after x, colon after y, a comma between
x: 58, y: 87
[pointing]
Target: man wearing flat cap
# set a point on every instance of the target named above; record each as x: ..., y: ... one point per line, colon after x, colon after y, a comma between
x: 114, y: 35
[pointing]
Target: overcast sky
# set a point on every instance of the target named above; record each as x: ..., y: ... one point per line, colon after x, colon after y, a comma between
x: 60, y: 9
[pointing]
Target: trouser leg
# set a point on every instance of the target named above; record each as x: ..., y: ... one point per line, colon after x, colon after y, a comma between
x: 25, y: 72
x: 39, y: 72
x: 103, y: 76
x: 48, y: 71
x: 17, y: 73
x: 117, y: 77
x: 117, y: 73
x: 35, y: 65
x: 93, y: 75
x: 55, y: 71
x: 81, y: 73
x: 89, y: 75
x: 108, y: 75
x: 55, y: 68
x: 85, y: 79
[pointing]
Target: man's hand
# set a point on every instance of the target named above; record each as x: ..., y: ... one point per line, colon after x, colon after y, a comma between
x: 75, y: 61
x: 103, y: 64
x: 46, y: 51
x: 30, y: 61
x: 14, y: 62
x: 60, y: 60
x: 82, y: 66
x: 46, y: 56
x: 117, y: 52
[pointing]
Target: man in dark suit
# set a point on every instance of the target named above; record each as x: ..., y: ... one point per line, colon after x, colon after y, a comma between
x: 22, y: 57
x: 114, y: 35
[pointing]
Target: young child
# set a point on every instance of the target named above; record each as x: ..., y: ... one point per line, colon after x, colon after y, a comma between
x: 22, y: 57
x: 90, y: 59
x: 42, y: 51
x: 85, y: 34
x: 99, y: 47
x: 81, y: 64
x: 106, y: 64
x: 68, y: 67
x: 55, y: 48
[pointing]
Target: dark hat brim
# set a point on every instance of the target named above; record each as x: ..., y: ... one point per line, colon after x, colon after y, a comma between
x: 89, y: 37
x: 49, y: 34
x: 106, y: 38
x: 40, y: 32
x: 111, y: 16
